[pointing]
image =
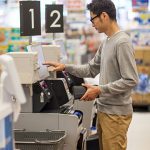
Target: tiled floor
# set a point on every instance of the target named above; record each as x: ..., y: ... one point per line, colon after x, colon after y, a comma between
x: 139, y: 132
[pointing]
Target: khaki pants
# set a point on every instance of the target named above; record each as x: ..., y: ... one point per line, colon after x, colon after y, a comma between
x: 112, y: 130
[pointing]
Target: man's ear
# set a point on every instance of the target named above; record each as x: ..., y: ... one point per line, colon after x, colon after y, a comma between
x: 104, y: 15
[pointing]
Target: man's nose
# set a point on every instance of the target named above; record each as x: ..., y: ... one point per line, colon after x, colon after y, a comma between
x: 93, y: 25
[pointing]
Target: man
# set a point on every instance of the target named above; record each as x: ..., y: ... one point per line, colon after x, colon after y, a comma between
x: 118, y: 75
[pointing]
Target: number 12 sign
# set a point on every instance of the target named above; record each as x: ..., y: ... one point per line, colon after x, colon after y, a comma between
x: 54, y: 18
x: 30, y: 18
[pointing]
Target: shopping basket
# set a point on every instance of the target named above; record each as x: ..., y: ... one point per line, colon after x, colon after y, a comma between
x: 52, y: 140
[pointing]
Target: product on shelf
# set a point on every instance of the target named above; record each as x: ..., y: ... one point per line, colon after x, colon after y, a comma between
x: 141, y: 93
x: 13, y: 41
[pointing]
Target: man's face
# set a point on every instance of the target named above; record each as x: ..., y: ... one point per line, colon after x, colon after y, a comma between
x: 98, y: 22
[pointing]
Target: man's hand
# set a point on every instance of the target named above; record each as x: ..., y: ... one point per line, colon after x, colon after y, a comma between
x: 91, y: 93
x: 56, y: 66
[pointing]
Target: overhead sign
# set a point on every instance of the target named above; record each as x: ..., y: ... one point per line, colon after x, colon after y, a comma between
x: 30, y: 18
x: 54, y: 19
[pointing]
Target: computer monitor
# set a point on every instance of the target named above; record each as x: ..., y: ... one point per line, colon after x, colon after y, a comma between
x: 43, y: 70
x: 63, y: 53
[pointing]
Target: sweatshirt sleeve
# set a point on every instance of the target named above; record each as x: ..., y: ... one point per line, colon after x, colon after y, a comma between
x: 89, y: 70
x: 128, y: 71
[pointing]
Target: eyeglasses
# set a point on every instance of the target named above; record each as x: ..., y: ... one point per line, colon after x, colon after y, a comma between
x: 94, y: 18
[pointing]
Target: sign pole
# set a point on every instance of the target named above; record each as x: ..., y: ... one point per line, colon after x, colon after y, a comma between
x: 53, y: 36
x: 30, y: 40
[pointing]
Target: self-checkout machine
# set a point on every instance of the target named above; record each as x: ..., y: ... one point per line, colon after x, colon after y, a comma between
x: 46, y: 98
x: 45, y: 109
x: 11, y: 97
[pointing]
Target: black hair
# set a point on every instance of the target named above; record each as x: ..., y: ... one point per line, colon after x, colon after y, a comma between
x: 99, y: 6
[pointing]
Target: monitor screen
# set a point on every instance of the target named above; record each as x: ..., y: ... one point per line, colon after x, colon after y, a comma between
x: 63, y: 53
x: 43, y: 70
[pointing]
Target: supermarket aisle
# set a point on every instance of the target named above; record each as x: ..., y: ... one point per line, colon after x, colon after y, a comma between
x: 139, y: 132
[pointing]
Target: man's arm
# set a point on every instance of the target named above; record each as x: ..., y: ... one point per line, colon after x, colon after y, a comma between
x: 89, y: 70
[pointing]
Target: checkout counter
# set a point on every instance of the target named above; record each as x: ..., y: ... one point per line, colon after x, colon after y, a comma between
x: 49, y: 103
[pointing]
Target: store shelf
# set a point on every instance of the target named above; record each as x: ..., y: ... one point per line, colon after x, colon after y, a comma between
x: 142, y: 56
x: 143, y: 48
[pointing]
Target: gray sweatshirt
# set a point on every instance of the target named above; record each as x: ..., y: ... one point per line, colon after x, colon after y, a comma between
x: 115, y: 62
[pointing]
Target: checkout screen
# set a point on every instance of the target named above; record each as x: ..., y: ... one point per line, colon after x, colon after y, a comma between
x: 43, y: 70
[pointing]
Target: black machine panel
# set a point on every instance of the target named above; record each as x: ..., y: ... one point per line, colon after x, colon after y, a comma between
x: 49, y: 95
x: 71, y: 79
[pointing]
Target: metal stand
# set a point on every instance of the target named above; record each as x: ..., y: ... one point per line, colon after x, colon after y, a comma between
x: 30, y: 40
